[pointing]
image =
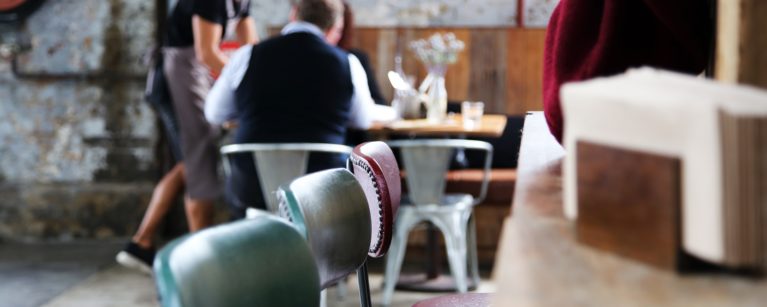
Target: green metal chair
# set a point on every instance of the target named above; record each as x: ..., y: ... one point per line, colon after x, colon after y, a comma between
x: 261, y: 261
x: 330, y: 210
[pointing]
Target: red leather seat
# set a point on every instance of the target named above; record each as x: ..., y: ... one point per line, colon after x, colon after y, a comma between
x: 375, y: 167
x: 463, y: 300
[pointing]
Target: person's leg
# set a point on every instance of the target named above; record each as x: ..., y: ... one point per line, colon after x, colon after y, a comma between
x: 162, y: 199
x: 139, y: 252
x: 189, y: 83
x: 199, y: 213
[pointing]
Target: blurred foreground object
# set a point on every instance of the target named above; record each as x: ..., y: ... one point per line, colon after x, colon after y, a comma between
x: 655, y: 157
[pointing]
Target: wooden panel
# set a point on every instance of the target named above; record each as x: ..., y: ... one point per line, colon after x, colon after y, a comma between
x: 741, y: 43
x: 629, y: 201
x: 487, y: 75
x: 524, y: 70
x: 500, y: 66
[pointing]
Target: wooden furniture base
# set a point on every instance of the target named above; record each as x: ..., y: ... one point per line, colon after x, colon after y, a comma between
x: 629, y: 203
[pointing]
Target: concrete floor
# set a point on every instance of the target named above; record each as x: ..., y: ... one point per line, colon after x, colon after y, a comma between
x: 84, y: 274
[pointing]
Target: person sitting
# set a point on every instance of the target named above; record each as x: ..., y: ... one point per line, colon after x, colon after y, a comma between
x: 296, y: 87
x: 345, y: 43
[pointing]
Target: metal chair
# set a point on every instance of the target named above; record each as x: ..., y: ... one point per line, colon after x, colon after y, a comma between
x: 376, y: 169
x: 328, y: 208
x: 278, y: 163
x: 228, y: 265
x: 426, y: 163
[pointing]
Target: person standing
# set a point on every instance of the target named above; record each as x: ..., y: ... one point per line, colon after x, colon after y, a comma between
x: 191, y: 54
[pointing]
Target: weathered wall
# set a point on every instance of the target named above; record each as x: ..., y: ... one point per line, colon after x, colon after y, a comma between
x: 405, y: 13
x: 76, y: 138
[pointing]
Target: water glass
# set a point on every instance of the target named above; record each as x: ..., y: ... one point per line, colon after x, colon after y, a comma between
x: 471, y: 113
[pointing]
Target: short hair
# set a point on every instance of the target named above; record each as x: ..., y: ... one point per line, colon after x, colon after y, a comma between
x: 322, y: 13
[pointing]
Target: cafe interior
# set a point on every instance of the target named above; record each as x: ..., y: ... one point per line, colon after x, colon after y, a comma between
x: 513, y: 153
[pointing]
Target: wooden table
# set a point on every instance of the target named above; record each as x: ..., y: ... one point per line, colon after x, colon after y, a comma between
x: 539, y: 263
x: 492, y: 125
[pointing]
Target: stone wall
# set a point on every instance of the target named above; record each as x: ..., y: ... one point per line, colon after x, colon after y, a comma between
x: 76, y: 137
x: 405, y: 13
x: 423, y: 13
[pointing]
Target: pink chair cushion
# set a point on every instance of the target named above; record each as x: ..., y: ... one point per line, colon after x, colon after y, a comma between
x: 463, y: 300
x: 377, y: 171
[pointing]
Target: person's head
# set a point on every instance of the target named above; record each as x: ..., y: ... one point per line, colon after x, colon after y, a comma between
x: 347, y: 33
x: 325, y: 14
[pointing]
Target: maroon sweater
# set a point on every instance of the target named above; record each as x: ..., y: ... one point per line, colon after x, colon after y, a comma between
x: 591, y: 38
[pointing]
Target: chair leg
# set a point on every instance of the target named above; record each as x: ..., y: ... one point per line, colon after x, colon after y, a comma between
x: 324, y: 298
x: 453, y: 228
x: 342, y: 290
x: 405, y: 221
x: 472, y: 246
x: 362, y: 279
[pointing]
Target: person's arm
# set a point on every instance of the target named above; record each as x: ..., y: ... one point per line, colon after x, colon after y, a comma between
x: 220, y: 105
x: 246, y: 31
x: 375, y: 91
x: 361, y: 113
x: 207, y: 38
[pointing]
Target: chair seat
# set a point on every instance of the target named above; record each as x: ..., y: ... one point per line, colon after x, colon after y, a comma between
x: 449, y: 203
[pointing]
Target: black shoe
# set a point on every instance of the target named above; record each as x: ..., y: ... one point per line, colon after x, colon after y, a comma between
x: 136, y: 257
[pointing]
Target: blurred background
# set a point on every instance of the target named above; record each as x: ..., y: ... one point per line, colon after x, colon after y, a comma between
x: 80, y: 149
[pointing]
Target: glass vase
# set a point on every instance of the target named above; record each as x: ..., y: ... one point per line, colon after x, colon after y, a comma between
x: 436, y: 106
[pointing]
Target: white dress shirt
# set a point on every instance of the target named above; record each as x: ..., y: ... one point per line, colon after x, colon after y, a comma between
x: 220, y: 104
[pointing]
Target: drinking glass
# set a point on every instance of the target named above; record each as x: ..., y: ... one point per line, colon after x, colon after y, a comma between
x: 471, y: 113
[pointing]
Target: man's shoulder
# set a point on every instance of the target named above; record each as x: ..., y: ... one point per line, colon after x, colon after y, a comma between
x: 303, y: 42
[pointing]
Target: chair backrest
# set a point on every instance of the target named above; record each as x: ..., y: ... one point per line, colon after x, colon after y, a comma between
x: 262, y: 261
x: 328, y: 208
x: 426, y: 162
x: 376, y: 169
x: 278, y: 163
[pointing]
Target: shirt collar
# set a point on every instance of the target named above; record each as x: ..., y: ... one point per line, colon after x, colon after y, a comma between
x: 302, y: 26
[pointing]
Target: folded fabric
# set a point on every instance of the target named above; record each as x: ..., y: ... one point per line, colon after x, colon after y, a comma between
x: 587, y: 38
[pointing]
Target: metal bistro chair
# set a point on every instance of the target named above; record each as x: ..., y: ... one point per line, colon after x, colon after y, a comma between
x: 376, y: 169
x: 328, y: 208
x: 426, y: 163
x: 228, y: 265
x: 278, y: 163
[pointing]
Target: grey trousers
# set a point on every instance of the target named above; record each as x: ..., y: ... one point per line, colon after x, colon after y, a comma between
x: 189, y: 82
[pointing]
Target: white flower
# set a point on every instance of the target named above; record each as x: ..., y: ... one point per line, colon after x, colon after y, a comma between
x: 438, y: 50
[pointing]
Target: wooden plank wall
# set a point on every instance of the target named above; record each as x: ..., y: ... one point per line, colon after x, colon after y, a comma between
x: 500, y: 66
x: 741, y: 55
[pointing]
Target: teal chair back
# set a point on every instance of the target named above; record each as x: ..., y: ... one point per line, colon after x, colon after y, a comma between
x: 256, y: 262
x: 330, y: 209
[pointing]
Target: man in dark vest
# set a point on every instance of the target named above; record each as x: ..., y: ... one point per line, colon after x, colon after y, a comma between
x: 297, y: 87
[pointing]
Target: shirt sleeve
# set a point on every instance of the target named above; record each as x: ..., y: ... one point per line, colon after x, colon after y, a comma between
x: 361, y: 113
x: 210, y: 10
x: 220, y: 104
x: 245, y: 9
